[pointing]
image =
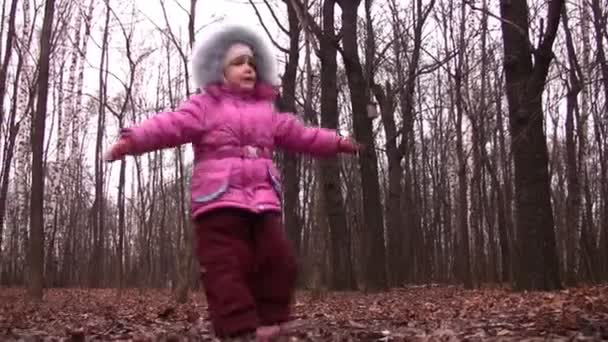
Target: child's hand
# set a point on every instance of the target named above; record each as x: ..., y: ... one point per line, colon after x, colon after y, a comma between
x: 348, y: 145
x: 119, y: 150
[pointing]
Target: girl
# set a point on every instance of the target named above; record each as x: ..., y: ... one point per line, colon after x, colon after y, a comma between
x: 248, y: 267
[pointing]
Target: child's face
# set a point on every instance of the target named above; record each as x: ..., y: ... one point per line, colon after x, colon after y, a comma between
x: 240, y: 72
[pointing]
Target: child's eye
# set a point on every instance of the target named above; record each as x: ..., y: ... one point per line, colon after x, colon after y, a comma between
x: 244, y: 60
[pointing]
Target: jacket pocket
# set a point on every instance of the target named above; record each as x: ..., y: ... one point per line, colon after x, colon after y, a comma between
x: 213, y: 195
x: 275, y: 180
x: 210, y: 185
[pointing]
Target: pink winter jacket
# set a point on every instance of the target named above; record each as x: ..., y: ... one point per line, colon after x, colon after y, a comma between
x: 233, y: 137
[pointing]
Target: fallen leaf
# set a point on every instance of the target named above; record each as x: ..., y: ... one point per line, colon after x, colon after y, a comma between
x: 356, y: 325
x: 421, y: 313
x: 503, y: 332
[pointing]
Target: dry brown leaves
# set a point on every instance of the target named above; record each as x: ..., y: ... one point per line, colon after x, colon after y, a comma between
x: 408, y: 314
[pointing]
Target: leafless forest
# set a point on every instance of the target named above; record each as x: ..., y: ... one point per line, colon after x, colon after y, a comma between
x: 485, y: 125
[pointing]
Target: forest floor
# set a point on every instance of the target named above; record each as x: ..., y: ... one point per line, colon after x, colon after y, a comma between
x: 434, y: 313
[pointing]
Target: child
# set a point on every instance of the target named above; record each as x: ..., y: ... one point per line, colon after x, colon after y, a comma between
x: 248, y: 266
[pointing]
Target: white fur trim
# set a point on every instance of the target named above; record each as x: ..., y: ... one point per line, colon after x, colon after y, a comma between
x: 208, y: 54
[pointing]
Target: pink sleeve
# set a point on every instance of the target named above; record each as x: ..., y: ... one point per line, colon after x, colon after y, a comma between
x: 292, y: 135
x: 168, y: 129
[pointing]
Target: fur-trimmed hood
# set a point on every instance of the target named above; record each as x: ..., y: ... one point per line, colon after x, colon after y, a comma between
x: 208, y: 55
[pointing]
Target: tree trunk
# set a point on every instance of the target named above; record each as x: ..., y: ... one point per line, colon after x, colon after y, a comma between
x: 589, y: 226
x: 319, y: 238
x: 10, y: 35
x: 185, y: 264
x: 121, y: 224
x: 599, y: 24
x: 98, y: 210
x: 505, y: 198
x: 36, y: 241
x: 9, y: 152
x: 74, y: 265
x: 573, y: 197
x: 397, y: 262
x: 293, y: 221
x: 186, y: 250
x: 165, y: 260
x: 476, y: 228
x: 191, y: 22
x: 418, y: 239
x: 489, y: 205
x: 13, y: 126
x: 128, y: 100
x: 342, y: 277
x: 386, y: 97
x: 401, y: 257
x: 538, y: 265
x: 463, y: 246
x: 368, y: 160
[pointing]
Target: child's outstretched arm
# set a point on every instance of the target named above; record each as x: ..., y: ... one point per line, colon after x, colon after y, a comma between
x: 163, y: 130
x: 291, y: 134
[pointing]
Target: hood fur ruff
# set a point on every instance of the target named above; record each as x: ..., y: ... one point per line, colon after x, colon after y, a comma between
x: 208, y: 55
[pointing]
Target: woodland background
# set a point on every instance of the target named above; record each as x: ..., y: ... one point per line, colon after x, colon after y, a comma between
x: 486, y: 162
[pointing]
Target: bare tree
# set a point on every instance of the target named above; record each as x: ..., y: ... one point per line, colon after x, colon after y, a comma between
x: 600, y: 21
x: 386, y: 95
x: 482, y: 218
x: 99, y: 206
x: 77, y: 126
x: 319, y: 238
x: 342, y: 269
x: 368, y: 160
x: 397, y: 151
x: 185, y: 260
x: 25, y: 105
x: 9, y: 145
x: 287, y: 102
x: 573, y: 198
x: 293, y: 221
x: 537, y: 266
x: 127, y: 103
x: 36, y: 246
x: 10, y: 36
x: 463, y: 242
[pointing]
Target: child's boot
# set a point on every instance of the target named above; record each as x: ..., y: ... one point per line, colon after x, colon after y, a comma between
x: 268, y: 333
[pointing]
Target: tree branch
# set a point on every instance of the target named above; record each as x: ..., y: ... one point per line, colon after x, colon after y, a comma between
x: 306, y: 18
x: 425, y: 69
x: 182, y: 7
x: 274, y: 42
x: 178, y: 46
x: 274, y: 16
x: 544, y: 54
x: 311, y: 26
x: 380, y: 56
x: 506, y: 21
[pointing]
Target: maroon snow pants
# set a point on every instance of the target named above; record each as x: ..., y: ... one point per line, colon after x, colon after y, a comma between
x: 248, y: 269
